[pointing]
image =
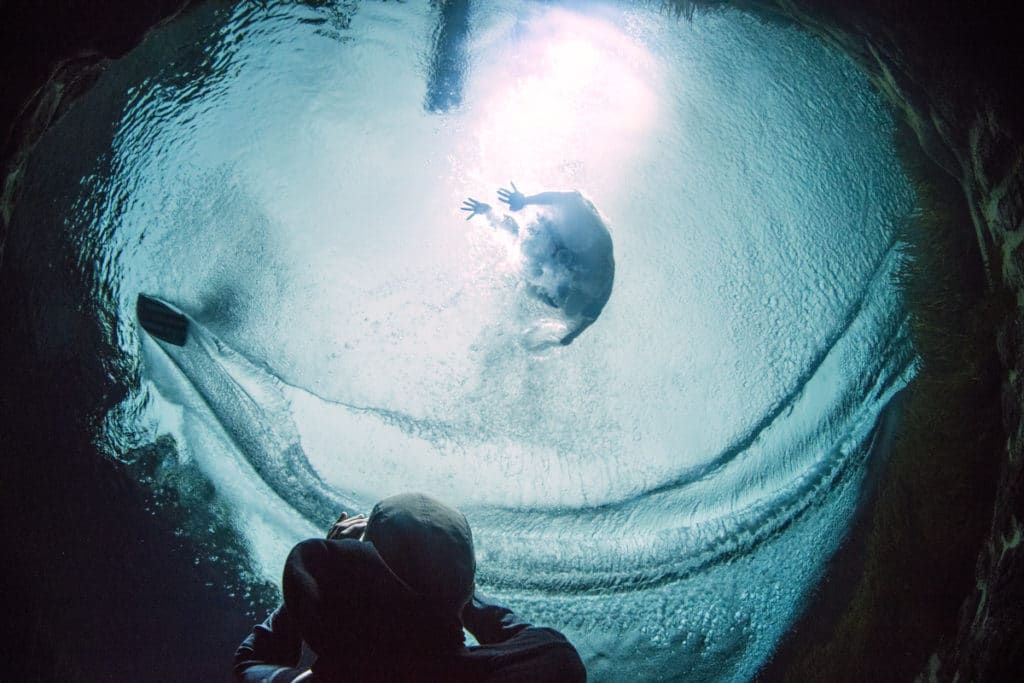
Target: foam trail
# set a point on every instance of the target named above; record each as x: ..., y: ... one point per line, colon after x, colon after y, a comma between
x: 248, y: 403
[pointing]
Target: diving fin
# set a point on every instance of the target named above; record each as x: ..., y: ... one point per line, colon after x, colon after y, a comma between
x: 161, y: 321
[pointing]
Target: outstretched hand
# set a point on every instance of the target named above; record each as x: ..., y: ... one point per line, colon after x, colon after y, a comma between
x: 347, y: 527
x: 514, y: 198
x: 473, y: 207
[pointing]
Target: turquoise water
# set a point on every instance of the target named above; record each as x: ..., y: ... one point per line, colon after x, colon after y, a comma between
x: 667, y: 488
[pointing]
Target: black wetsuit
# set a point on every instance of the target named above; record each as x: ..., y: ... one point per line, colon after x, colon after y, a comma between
x: 365, y: 626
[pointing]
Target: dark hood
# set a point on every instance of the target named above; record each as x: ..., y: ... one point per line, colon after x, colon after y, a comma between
x: 350, y: 606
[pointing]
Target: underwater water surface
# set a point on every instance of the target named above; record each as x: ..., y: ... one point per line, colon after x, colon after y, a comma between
x: 665, y: 489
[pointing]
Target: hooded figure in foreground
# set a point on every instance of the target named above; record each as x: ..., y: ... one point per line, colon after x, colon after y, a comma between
x: 386, y: 599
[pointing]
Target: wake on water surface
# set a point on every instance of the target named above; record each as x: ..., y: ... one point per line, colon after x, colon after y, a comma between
x: 666, y: 488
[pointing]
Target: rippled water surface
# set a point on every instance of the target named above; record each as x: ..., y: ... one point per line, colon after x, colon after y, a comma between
x: 666, y: 488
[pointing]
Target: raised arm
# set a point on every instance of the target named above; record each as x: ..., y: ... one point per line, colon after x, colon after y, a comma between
x: 270, y: 654
x: 517, y: 200
x: 477, y: 208
x: 525, y: 652
x: 490, y: 622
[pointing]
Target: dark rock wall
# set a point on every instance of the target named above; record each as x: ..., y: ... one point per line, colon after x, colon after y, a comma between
x: 92, y: 581
x: 951, y: 69
x: 51, y: 51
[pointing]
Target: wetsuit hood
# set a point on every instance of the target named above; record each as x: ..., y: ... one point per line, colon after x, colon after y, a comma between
x: 427, y: 544
x: 350, y: 606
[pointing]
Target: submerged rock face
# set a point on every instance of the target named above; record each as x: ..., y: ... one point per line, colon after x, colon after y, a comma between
x: 949, y: 69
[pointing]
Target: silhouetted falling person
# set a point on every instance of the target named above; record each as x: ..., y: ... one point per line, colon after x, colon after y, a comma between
x: 567, y: 253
